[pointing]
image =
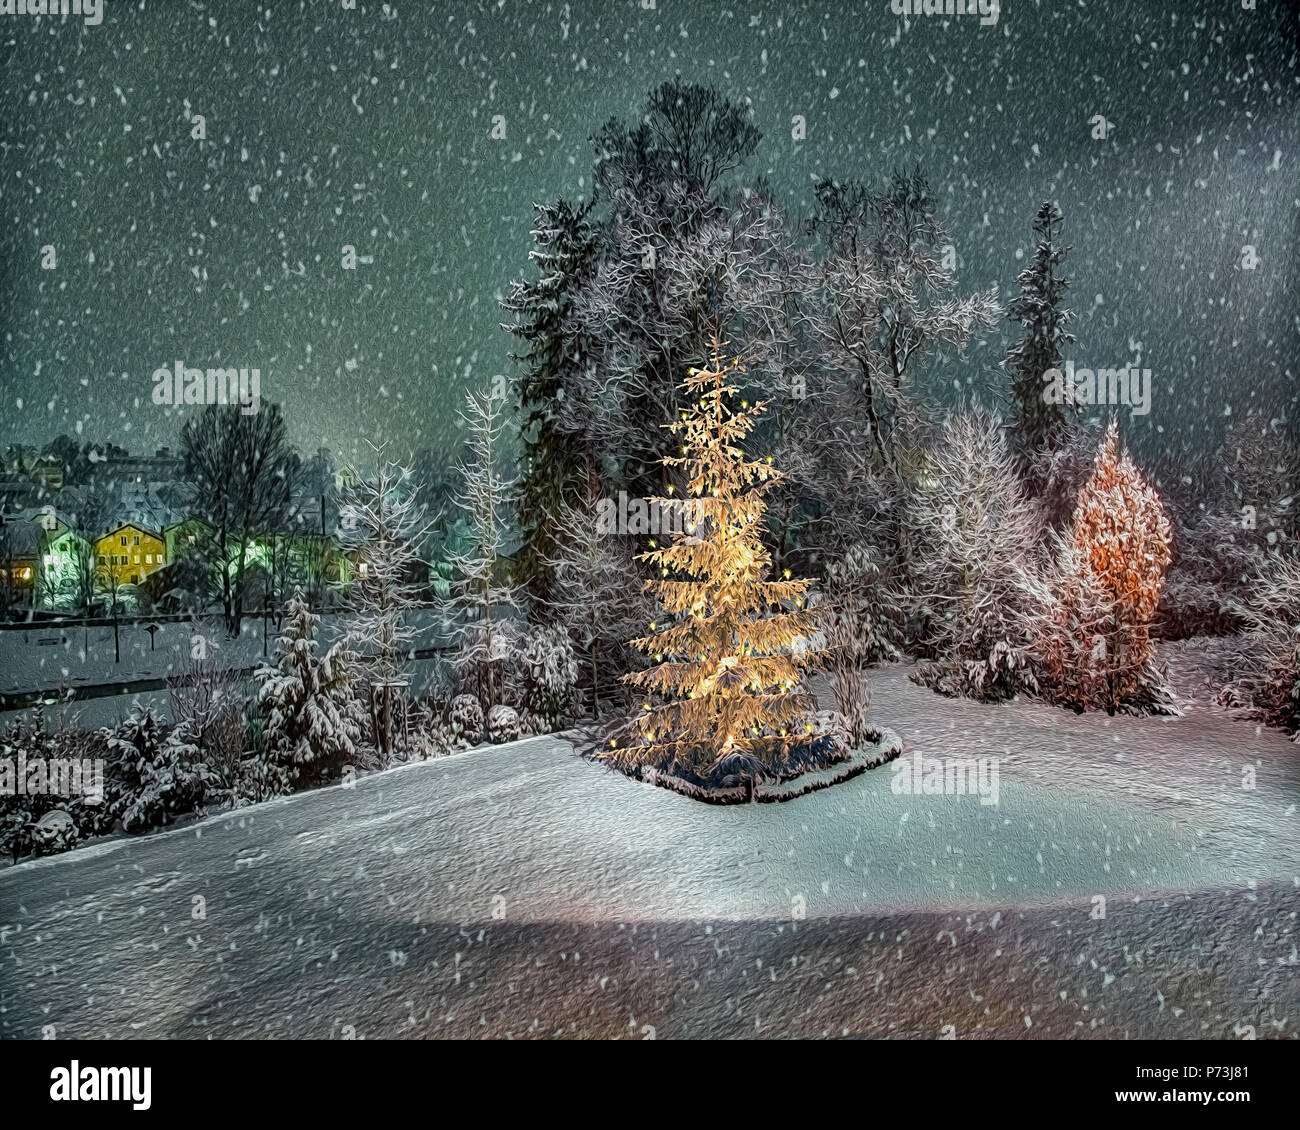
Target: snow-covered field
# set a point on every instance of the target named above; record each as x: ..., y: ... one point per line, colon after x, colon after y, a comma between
x: 520, y: 890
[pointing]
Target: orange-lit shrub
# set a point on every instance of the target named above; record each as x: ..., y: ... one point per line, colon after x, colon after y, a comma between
x: 1095, y: 642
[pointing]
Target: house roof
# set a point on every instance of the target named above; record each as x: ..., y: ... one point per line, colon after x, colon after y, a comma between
x: 131, y: 526
x: 19, y: 538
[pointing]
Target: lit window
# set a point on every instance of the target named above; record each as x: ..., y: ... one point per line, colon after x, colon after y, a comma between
x: 148, y: 558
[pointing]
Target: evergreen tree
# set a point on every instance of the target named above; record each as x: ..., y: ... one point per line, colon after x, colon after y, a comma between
x: 973, y: 534
x: 385, y: 528
x: 1096, y: 646
x: 482, y: 610
x: 555, y: 462
x: 155, y: 773
x: 313, y: 720
x: 1038, y: 426
x: 724, y: 688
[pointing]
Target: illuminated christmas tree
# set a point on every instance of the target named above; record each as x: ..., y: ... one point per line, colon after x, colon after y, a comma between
x: 724, y: 700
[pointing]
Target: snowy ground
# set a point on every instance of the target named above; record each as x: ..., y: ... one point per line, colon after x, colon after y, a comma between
x: 518, y: 890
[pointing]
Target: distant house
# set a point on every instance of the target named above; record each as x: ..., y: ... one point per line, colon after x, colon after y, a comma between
x: 131, y: 552
x: 62, y: 549
x: 181, y: 536
x: 20, y: 557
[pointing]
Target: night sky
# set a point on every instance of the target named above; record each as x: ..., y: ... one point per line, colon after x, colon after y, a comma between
x: 371, y: 127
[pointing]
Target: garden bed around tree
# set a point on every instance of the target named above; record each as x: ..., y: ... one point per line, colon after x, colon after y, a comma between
x: 884, y: 746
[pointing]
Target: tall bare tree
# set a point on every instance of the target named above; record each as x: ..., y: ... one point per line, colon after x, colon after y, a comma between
x: 241, y: 468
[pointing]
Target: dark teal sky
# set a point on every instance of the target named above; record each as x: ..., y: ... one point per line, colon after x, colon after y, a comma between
x: 370, y: 127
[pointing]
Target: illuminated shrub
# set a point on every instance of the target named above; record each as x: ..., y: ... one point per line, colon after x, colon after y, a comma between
x: 1095, y: 640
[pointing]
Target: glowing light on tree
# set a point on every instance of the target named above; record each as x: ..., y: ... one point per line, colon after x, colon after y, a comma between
x: 730, y: 647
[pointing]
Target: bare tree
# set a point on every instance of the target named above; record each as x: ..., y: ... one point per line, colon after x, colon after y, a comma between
x: 886, y: 297
x: 241, y: 467
x: 597, y: 594
x: 207, y: 697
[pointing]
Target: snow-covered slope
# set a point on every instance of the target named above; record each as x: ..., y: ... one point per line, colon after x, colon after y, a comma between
x: 311, y: 903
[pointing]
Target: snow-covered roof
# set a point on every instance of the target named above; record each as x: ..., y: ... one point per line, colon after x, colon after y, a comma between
x: 19, y: 538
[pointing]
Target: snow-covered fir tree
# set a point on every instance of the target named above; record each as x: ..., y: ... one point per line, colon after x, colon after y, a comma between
x: 564, y: 248
x: 483, y: 609
x: 384, y: 528
x: 974, y: 541
x: 156, y: 772
x: 314, y: 720
x: 1040, y: 426
x: 724, y: 692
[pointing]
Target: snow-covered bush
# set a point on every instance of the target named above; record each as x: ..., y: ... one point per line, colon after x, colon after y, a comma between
x: 54, y: 832
x: 1225, y: 545
x: 861, y: 617
x: 549, y: 672
x: 466, y: 719
x: 859, y: 594
x: 207, y: 697
x: 158, y: 772
x: 30, y: 743
x: 313, y: 719
x: 428, y: 734
x: 1267, y: 663
x: 973, y: 536
x: 1215, y: 562
x: 502, y: 724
